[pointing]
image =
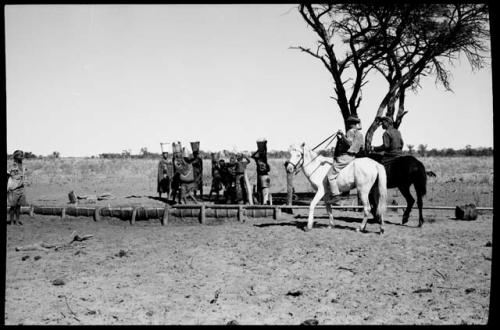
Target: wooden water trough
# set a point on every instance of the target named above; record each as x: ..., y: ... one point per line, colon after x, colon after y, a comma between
x: 194, y: 211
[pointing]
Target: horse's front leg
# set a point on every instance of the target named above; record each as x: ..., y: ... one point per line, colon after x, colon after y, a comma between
x: 330, y: 215
x: 316, y: 199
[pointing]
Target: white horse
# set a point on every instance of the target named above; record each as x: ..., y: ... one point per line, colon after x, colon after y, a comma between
x: 361, y: 173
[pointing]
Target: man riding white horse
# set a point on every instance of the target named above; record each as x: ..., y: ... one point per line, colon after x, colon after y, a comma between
x: 348, y: 145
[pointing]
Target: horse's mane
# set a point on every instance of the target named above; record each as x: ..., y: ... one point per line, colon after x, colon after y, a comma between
x: 312, y: 153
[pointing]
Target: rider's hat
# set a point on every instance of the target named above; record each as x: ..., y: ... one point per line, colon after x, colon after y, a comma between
x: 353, y: 119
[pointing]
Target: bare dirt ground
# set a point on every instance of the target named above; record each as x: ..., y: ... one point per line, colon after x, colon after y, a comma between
x: 261, y: 271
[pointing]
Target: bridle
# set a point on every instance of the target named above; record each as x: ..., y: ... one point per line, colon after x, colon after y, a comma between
x: 300, y: 163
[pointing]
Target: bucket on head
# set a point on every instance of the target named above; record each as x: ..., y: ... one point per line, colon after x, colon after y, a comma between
x: 176, y: 147
x: 195, y: 146
x: 262, y: 145
x: 466, y: 212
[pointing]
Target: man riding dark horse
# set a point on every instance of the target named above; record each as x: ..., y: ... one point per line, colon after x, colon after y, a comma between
x: 402, y: 170
x: 392, y: 146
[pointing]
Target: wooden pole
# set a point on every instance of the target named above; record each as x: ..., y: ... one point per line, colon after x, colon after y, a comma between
x: 134, y: 214
x: 97, y: 214
x: 164, y: 219
x: 277, y: 213
x: 202, y: 214
x: 240, y: 213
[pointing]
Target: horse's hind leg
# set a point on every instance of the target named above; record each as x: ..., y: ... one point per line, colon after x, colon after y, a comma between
x: 405, y: 190
x: 363, y: 195
x: 420, y: 206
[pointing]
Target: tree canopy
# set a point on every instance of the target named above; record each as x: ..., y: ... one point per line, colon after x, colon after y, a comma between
x: 402, y: 42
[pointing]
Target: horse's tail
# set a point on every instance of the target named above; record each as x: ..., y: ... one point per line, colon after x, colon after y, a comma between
x: 382, y: 190
x: 420, y: 179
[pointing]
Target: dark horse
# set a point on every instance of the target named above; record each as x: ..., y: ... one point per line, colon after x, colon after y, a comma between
x: 402, y: 172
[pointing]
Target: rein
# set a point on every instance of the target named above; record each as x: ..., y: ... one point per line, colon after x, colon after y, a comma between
x: 300, y: 163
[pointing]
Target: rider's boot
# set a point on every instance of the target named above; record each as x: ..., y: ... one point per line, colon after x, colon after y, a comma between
x: 335, y: 196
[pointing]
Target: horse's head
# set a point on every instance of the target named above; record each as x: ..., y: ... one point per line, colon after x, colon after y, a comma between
x: 296, y: 157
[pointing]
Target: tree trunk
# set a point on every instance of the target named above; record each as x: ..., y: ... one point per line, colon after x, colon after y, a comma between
x: 389, y: 97
x: 401, y: 108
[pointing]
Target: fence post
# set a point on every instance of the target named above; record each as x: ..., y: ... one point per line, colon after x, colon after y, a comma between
x: 63, y: 213
x: 240, y: 213
x: 97, y: 213
x: 277, y: 213
x: 164, y: 219
x: 202, y: 214
x: 134, y: 214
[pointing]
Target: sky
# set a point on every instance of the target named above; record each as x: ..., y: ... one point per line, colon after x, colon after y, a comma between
x: 89, y: 79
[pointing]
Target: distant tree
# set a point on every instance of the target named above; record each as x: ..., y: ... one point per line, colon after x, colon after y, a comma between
x: 144, y: 152
x: 56, y: 154
x: 126, y: 153
x: 468, y: 150
x: 410, y: 148
x: 422, y: 149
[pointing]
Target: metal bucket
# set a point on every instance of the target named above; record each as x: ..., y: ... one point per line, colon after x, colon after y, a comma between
x: 195, y: 146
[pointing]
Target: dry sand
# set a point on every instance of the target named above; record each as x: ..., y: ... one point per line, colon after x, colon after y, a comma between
x: 261, y: 271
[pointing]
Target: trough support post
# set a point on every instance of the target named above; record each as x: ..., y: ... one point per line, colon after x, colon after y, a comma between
x: 202, y: 214
x: 164, y: 219
x: 240, y: 213
x: 32, y: 211
x: 97, y: 213
x: 63, y: 213
x: 277, y: 213
x: 134, y: 214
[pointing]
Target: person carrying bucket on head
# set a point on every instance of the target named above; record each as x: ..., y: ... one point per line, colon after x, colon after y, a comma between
x: 197, y: 163
x: 176, y: 164
x: 165, y: 173
x: 15, y: 188
x: 263, y: 169
x: 347, y: 147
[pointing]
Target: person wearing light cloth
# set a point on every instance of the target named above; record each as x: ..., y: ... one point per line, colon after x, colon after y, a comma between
x: 263, y: 169
x: 241, y: 189
x: 15, y: 188
x: 165, y: 174
x: 347, y: 147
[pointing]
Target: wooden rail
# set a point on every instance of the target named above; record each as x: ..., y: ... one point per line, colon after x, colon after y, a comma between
x: 200, y: 211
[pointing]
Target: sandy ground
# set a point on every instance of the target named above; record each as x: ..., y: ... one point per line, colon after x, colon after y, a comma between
x: 261, y: 271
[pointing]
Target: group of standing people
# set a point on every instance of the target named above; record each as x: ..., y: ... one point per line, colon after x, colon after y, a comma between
x: 229, y: 176
x: 173, y: 172
x: 233, y: 178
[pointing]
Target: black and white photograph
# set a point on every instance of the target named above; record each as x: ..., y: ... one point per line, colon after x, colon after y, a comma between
x: 248, y: 164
